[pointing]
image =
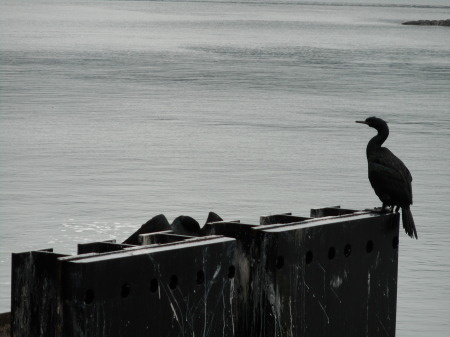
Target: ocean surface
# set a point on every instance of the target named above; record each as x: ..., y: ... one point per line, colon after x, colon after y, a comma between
x: 112, y: 112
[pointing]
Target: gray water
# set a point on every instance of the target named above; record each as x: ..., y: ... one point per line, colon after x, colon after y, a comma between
x: 115, y: 111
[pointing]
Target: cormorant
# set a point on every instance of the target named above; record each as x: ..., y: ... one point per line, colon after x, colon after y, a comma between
x: 389, y: 177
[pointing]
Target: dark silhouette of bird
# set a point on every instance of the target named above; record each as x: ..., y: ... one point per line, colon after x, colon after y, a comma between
x: 389, y: 177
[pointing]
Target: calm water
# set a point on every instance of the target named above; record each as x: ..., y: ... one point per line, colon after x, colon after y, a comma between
x: 115, y: 111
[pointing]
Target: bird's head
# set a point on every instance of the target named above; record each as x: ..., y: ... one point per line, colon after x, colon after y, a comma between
x: 374, y: 122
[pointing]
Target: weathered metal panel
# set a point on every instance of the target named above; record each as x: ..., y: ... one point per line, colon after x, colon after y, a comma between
x: 161, y: 238
x: 330, y: 211
x: 331, y: 274
x: 331, y: 278
x: 5, y: 324
x: 281, y: 219
x: 182, y: 289
x: 34, y: 293
x: 101, y: 247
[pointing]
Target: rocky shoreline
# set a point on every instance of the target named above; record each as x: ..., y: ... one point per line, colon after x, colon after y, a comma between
x: 428, y: 23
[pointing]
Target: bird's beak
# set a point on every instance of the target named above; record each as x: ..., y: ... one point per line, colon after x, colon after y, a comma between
x: 361, y: 122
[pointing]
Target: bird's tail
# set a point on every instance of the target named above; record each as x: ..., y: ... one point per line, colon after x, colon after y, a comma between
x: 408, y: 223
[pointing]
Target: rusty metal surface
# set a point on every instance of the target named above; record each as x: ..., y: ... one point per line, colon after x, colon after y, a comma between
x: 331, y: 274
x: 34, y: 291
x: 331, y: 277
x: 178, y: 290
x: 5, y: 324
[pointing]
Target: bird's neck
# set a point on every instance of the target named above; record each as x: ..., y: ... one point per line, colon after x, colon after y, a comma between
x: 376, y: 142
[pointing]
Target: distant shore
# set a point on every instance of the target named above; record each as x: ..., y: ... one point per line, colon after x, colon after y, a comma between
x: 428, y: 23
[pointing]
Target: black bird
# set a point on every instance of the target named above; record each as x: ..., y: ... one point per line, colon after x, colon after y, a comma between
x: 389, y: 177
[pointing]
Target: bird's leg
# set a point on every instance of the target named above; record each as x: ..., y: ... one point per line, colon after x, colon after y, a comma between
x: 381, y: 209
x: 387, y: 208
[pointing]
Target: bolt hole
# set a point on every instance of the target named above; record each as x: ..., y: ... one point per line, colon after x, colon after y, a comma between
x: 395, y: 242
x: 125, y: 292
x: 369, y: 246
x: 200, y: 277
x: 173, y: 282
x: 231, y: 271
x: 154, y: 285
x: 89, y: 296
x: 347, y: 250
x: 331, y: 253
x: 280, y: 262
x: 309, y: 257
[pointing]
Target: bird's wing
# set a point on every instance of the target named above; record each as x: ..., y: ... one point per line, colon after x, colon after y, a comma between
x: 388, y: 173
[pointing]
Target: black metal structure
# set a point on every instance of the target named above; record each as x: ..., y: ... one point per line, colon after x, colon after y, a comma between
x: 331, y: 274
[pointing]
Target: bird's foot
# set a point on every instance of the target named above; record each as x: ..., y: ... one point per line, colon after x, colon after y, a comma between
x: 376, y: 210
x: 382, y: 210
x: 387, y: 208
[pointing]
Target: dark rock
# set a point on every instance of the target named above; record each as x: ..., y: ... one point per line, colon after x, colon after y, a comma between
x: 156, y: 224
x: 428, y: 23
x: 208, y: 228
x: 185, y: 225
x: 213, y: 217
